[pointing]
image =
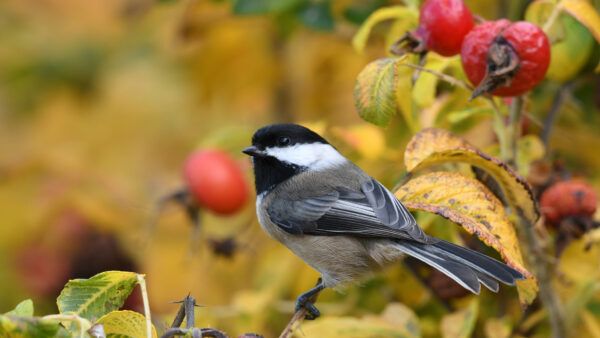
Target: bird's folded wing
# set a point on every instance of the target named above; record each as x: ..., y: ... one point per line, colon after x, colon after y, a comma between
x: 372, y: 212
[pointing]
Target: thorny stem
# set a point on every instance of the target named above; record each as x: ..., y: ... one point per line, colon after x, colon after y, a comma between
x: 536, y: 252
x: 542, y: 269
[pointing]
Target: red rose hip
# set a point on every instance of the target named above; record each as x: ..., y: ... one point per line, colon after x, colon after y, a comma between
x: 505, y: 59
x: 215, y: 181
x: 446, y: 22
x: 568, y: 198
x: 443, y: 25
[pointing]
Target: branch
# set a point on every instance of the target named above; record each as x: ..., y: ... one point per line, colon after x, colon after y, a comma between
x: 296, y: 320
x: 450, y: 79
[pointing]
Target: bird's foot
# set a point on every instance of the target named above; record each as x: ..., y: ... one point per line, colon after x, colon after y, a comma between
x: 305, y: 301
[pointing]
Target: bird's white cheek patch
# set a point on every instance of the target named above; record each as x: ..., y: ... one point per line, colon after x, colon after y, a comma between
x: 316, y: 156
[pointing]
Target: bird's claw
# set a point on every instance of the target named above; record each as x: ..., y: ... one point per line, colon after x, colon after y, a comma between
x: 304, y: 302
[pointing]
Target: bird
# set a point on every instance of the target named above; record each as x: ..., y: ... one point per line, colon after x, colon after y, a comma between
x: 344, y: 223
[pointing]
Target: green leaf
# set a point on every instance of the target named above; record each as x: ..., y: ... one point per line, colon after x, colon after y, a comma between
x: 423, y: 92
x: 375, y: 91
x: 124, y: 324
x: 585, y: 291
x: 539, y: 12
x: 585, y: 13
x: 22, y: 326
x: 24, y: 308
x: 317, y: 15
x: 359, y: 40
x: 460, y: 115
x: 93, y: 298
x: 245, y: 7
x: 460, y: 324
x: 405, y: 102
x: 359, y: 12
x: 572, y: 41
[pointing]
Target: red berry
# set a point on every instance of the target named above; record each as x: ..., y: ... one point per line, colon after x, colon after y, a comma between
x: 568, y: 198
x: 446, y: 23
x: 528, y: 41
x: 215, y: 181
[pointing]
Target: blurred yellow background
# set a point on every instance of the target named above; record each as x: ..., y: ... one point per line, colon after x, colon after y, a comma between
x: 101, y: 101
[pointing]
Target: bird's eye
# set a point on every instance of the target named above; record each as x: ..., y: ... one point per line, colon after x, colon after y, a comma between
x: 283, y: 141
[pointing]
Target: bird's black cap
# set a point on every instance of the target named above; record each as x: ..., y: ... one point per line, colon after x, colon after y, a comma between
x: 284, y: 134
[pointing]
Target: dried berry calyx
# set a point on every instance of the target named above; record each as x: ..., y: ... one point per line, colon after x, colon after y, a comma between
x: 505, y: 59
x: 503, y: 63
x: 411, y: 42
x: 443, y: 25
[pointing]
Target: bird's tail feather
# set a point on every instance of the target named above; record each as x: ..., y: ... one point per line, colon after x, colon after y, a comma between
x: 467, y: 267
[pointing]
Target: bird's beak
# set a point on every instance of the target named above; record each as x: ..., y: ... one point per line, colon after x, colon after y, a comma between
x: 253, y: 151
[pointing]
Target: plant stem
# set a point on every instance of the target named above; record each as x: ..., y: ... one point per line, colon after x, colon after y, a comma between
x: 500, y: 129
x: 552, y: 114
x: 514, y: 130
x: 553, y: 16
x: 537, y: 253
x: 142, y: 283
x: 542, y: 269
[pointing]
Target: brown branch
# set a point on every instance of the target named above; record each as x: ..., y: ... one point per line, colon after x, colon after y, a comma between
x: 296, y: 320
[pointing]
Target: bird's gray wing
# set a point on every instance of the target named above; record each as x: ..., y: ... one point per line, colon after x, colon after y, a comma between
x: 372, y: 212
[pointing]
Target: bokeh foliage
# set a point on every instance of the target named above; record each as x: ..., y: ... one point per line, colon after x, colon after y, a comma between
x: 100, y: 102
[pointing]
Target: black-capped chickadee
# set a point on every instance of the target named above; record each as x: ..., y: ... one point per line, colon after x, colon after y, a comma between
x: 344, y: 223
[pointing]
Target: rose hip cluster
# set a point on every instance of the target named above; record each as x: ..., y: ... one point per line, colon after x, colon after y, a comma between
x: 498, y: 57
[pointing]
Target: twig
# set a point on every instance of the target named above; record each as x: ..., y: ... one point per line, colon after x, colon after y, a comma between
x: 142, y: 283
x: 553, y: 16
x: 450, y: 79
x: 553, y: 114
x: 537, y: 253
x: 296, y: 320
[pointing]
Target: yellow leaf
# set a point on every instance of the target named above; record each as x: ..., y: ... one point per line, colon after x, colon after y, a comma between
x: 398, y: 29
x: 405, y: 102
x: 401, y: 316
x: 467, y: 202
x: 423, y: 92
x: 530, y: 148
x: 591, y: 323
x: 434, y: 146
x: 460, y: 324
x: 528, y: 290
x: 585, y: 13
x: 375, y: 91
x: 405, y: 14
x: 497, y: 328
x: 128, y: 324
x: 349, y: 327
x: 367, y: 139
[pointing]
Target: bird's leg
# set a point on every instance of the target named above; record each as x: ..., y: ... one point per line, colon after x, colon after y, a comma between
x: 305, y: 300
